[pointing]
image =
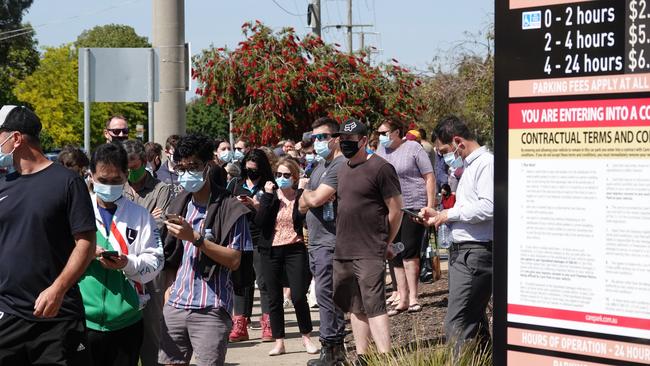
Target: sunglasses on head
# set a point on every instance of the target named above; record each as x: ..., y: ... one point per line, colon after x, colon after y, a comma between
x: 286, y: 175
x: 118, y: 131
x: 321, y: 136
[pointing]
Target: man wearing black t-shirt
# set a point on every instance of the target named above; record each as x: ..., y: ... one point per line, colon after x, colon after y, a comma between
x: 47, y: 239
x: 368, y: 218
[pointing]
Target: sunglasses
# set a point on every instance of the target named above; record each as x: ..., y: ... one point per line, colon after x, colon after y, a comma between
x: 286, y: 175
x: 321, y: 136
x: 118, y: 131
x: 384, y: 133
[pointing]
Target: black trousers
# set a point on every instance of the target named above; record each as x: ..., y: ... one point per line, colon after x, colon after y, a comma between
x: 244, y: 304
x: 290, y: 261
x: 116, y: 348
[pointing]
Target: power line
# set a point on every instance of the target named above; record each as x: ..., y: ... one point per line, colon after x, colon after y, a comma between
x: 287, y: 11
x: 24, y: 31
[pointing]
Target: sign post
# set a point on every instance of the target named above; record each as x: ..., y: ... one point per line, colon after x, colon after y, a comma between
x: 572, y: 182
x: 86, y: 98
x: 118, y: 75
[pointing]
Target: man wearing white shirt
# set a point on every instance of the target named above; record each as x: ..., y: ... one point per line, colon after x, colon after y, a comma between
x: 471, y: 223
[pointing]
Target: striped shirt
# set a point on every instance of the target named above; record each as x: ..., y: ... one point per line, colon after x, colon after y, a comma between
x: 190, y: 290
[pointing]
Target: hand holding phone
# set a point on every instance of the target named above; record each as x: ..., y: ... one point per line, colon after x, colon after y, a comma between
x: 110, y: 254
x: 411, y: 213
x: 173, y: 218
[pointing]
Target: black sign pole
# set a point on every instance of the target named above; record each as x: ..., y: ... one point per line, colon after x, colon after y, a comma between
x: 500, y: 251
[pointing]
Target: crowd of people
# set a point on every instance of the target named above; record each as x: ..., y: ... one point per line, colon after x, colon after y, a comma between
x: 144, y: 254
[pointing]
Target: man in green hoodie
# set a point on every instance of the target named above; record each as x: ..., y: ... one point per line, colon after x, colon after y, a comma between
x: 129, y: 254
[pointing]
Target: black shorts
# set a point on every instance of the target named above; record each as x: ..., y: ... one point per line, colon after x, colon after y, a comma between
x: 360, y: 286
x: 410, y: 234
x: 27, y: 342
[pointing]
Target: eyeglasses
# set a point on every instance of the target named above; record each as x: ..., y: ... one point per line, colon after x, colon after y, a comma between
x: 384, y: 133
x: 286, y: 175
x: 193, y: 167
x: 321, y: 136
x: 118, y: 131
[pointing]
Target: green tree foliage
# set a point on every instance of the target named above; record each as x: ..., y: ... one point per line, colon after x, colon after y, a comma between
x: 209, y: 120
x: 277, y: 84
x: 112, y: 36
x: 466, y: 90
x: 52, y: 91
x: 18, y: 53
x: 11, y: 17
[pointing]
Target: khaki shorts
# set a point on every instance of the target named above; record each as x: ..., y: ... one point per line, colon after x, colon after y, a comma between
x: 360, y: 287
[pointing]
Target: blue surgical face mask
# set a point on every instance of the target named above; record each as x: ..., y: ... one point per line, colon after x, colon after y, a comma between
x: 191, y: 181
x: 226, y: 156
x: 452, y: 160
x: 7, y: 159
x: 384, y: 141
x: 322, y: 148
x: 108, y: 192
x: 238, y: 156
x: 310, y: 157
x: 283, y: 182
x: 369, y: 151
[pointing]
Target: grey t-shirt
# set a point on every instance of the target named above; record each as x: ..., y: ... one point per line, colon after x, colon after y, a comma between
x: 322, y: 232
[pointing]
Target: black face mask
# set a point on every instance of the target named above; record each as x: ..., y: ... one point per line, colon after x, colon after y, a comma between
x: 253, y: 174
x: 349, y: 148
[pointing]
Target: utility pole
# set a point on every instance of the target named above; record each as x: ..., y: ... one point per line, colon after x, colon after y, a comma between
x: 350, y: 49
x: 349, y: 26
x: 314, y: 20
x: 169, y: 38
x: 363, y: 40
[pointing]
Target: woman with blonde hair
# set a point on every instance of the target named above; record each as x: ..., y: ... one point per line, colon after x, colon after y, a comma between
x: 286, y: 257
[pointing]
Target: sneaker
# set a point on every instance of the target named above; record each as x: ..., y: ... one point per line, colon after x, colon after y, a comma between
x: 239, y: 329
x: 267, y: 334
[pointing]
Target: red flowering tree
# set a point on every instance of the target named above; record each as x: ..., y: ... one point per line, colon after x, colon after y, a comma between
x: 278, y: 84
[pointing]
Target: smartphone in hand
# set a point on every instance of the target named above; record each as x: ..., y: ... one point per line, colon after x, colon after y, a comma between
x: 110, y: 255
x: 173, y: 218
x: 411, y: 213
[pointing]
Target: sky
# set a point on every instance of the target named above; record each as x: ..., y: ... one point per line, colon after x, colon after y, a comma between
x: 411, y: 31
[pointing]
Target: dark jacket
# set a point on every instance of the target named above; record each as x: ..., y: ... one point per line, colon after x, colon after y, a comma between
x: 268, y: 213
x: 222, y: 213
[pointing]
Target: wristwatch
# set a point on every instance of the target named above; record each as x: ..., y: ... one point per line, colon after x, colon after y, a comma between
x: 198, y: 242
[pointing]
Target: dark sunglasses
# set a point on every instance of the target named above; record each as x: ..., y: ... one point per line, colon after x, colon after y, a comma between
x: 384, y: 133
x: 321, y: 136
x: 118, y: 131
x: 286, y: 175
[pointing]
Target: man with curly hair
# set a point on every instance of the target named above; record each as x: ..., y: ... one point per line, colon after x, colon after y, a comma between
x: 207, y: 232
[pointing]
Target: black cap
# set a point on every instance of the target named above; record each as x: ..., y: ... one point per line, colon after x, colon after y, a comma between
x: 21, y: 119
x: 352, y: 127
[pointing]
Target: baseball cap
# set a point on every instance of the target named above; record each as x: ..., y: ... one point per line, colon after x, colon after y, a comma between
x: 21, y: 119
x: 352, y: 127
x: 413, y: 135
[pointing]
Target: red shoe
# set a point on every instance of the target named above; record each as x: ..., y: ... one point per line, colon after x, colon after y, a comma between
x: 239, y: 329
x: 267, y: 334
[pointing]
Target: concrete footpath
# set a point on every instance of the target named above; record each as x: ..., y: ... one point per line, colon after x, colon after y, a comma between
x: 254, y: 352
